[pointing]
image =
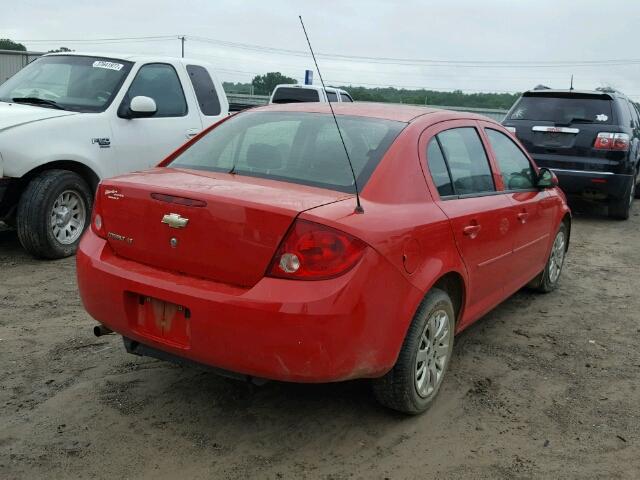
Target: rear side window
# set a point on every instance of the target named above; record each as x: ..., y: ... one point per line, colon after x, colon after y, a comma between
x: 332, y: 97
x: 295, y: 95
x: 563, y: 110
x: 438, y: 169
x: 345, y: 98
x: 205, y: 90
x: 467, y: 160
x: 296, y: 147
x: 160, y: 82
x: 517, y: 172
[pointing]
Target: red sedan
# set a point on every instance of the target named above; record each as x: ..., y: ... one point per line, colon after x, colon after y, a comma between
x: 243, y: 250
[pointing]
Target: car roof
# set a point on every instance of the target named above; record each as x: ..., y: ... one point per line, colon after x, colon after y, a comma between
x: 130, y: 57
x: 385, y: 111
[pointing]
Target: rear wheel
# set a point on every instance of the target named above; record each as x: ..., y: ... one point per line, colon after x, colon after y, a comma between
x: 414, y: 381
x: 53, y: 212
x: 622, y: 208
x: 548, y: 279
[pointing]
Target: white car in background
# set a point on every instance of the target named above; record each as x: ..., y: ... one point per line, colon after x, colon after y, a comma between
x: 291, y: 93
x: 69, y: 120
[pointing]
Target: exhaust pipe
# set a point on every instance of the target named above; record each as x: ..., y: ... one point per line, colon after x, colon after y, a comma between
x: 101, y: 330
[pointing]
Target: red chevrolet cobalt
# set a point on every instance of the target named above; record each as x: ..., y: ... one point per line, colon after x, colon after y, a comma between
x: 244, y: 250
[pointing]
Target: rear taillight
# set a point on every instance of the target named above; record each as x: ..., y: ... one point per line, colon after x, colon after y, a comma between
x: 612, y: 141
x: 311, y: 251
x: 97, y: 224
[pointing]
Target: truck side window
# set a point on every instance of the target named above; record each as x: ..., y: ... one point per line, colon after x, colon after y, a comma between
x: 205, y: 90
x: 332, y: 97
x: 160, y: 82
x: 345, y: 98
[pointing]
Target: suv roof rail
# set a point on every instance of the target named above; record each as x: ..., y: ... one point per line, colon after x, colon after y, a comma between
x: 541, y: 87
x: 608, y: 90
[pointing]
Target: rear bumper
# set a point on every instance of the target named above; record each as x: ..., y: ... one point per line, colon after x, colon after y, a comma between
x: 330, y: 330
x: 595, y: 185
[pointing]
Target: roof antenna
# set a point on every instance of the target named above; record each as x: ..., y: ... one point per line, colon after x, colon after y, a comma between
x: 571, y: 87
x: 359, y: 208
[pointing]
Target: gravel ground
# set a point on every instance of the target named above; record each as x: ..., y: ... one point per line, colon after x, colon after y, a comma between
x: 545, y: 386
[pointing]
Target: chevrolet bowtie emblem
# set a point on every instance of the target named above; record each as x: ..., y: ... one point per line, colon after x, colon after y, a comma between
x: 174, y: 220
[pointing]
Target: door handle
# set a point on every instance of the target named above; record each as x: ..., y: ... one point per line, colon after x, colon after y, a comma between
x: 192, y: 132
x: 471, y: 230
x: 522, y: 216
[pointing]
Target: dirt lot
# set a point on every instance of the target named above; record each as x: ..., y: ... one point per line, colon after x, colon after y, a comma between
x: 543, y: 387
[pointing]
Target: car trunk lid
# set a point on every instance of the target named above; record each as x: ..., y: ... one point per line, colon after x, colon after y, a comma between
x: 217, y: 226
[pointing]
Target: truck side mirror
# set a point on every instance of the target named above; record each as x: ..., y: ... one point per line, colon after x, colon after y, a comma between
x: 547, y: 179
x: 141, y: 107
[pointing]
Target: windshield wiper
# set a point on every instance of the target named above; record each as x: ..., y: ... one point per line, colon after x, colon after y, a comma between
x: 37, y: 101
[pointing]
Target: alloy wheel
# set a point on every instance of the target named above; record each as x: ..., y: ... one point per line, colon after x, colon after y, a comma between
x: 433, y: 353
x: 68, y: 217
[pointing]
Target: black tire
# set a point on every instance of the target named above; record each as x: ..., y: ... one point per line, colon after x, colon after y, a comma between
x: 33, y: 220
x: 397, y: 389
x: 621, y: 209
x: 545, y: 282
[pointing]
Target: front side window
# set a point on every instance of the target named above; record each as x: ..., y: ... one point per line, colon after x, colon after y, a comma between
x: 438, y: 169
x: 517, y: 172
x: 467, y: 161
x: 160, y: 82
x: 67, y: 82
x: 296, y: 147
x: 205, y: 90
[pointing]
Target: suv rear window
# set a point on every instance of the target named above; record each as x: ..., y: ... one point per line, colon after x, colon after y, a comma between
x: 563, y: 110
x: 295, y: 95
x: 294, y: 147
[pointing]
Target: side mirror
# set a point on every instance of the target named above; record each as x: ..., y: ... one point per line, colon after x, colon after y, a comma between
x: 547, y: 179
x: 142, y: 107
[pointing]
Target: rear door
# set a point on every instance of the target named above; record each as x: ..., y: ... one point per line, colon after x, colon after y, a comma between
x: 534, y: 209
x: 480, y: 215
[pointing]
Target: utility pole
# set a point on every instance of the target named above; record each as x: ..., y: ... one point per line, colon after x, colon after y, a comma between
x: 182, y: 39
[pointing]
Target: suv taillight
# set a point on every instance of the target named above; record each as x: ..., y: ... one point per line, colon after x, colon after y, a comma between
x: 612, y: 141
x: 311, y: 251
x: 97, y: 224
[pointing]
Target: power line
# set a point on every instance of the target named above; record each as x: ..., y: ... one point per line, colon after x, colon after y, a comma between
x: 366, y: 59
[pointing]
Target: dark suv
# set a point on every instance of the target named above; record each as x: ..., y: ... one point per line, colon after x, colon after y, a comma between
x: 588, y: 138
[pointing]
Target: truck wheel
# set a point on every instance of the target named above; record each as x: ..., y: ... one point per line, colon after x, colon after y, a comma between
x: 548, y: 279
x: 622, y: 209
x: 414, y: 381
x: 53, y: 212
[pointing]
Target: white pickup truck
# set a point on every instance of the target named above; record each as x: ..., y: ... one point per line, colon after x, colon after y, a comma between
x: 69, y: 120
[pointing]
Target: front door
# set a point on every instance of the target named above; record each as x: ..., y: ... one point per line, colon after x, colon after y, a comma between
x: 533, y: 208
x: 142, y: 143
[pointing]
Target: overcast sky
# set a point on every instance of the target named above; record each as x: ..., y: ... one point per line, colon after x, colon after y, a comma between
x: 452, y: 30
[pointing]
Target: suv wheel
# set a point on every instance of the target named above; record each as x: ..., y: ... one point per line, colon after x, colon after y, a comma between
x: 414, y: 381
x: 622, y: 209
x: 53, y: 212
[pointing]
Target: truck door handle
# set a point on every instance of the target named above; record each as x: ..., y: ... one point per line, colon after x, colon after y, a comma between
x: 192, y: 132
x: 471, y: 230
x: 522, y: 216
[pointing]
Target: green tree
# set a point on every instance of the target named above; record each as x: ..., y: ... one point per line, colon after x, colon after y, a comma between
x: 61, y: 49
x: 6, y: 44
x: 264, y: 84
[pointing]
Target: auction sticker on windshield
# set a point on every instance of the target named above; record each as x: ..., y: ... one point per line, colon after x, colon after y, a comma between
x: 109, y: 65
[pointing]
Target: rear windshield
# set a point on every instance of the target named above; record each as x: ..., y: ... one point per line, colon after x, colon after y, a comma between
x: 294, y: 147
x: 563, y: 110
x: 295, y: 95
